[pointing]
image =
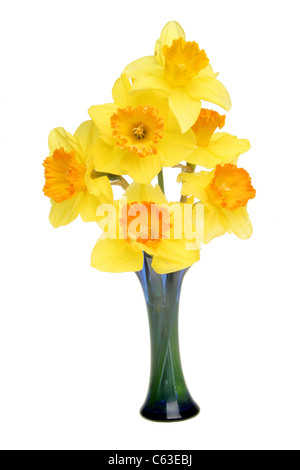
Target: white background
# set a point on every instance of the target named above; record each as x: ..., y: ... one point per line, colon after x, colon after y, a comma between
x: 74, y: 342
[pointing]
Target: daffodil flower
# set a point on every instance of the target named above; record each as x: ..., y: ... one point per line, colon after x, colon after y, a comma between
x: 125, y: 251
x: 71, y: 182
x: 138, y: 134
x: 214, y: 148
x: 181, y: 71
x: 224, y: 192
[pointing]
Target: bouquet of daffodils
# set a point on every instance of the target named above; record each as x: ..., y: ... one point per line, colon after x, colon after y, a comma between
x: 156, y: 120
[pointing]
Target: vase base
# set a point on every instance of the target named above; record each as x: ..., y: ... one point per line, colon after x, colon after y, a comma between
x: 172, y: 415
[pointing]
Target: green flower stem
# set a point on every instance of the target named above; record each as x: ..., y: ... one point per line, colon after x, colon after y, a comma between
x: 191, y: 169
x: 116, y: 180
x: 191, y: 166
x: 120, y: 182
x: 161, y: 181
x: 184, y: 168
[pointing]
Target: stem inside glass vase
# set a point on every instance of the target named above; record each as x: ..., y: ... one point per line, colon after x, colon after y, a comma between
x: 168, y: 398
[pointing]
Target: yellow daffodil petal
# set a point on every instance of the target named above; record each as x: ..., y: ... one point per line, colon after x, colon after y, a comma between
x: 209, y: 89
x: 195, y: 184
x: 60, y: 138
x: 171, y: 31
x: 116, y: 256
x: 172, y: 256
x: 150, y: 83
x: 141, y: 170
x: 100, y: 188
x: 87, y: 135
x: 203, y: 157
x: 89, y: 207
x: 176, y: 147
x: 226, y: 147
x: 207, y: 73
x: 222, y: 148
x: 185, y: 108
x: 108, y: 157
x: 218, y: 221
x: 157, y: 100
x: 101, y: 115
x: 63, y: 213
x: 237, y: 222
x: 213, y: 226
x: 121, y: 90
x: 144, y: 66
x: 145, y: 192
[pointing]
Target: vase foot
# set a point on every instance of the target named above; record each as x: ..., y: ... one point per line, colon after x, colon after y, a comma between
x: 171, y: 413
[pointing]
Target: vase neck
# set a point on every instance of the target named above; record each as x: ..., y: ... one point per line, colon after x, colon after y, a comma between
x: 160, y: 290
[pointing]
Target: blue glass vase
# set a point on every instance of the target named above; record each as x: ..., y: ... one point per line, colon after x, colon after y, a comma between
x: 168, y: 398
